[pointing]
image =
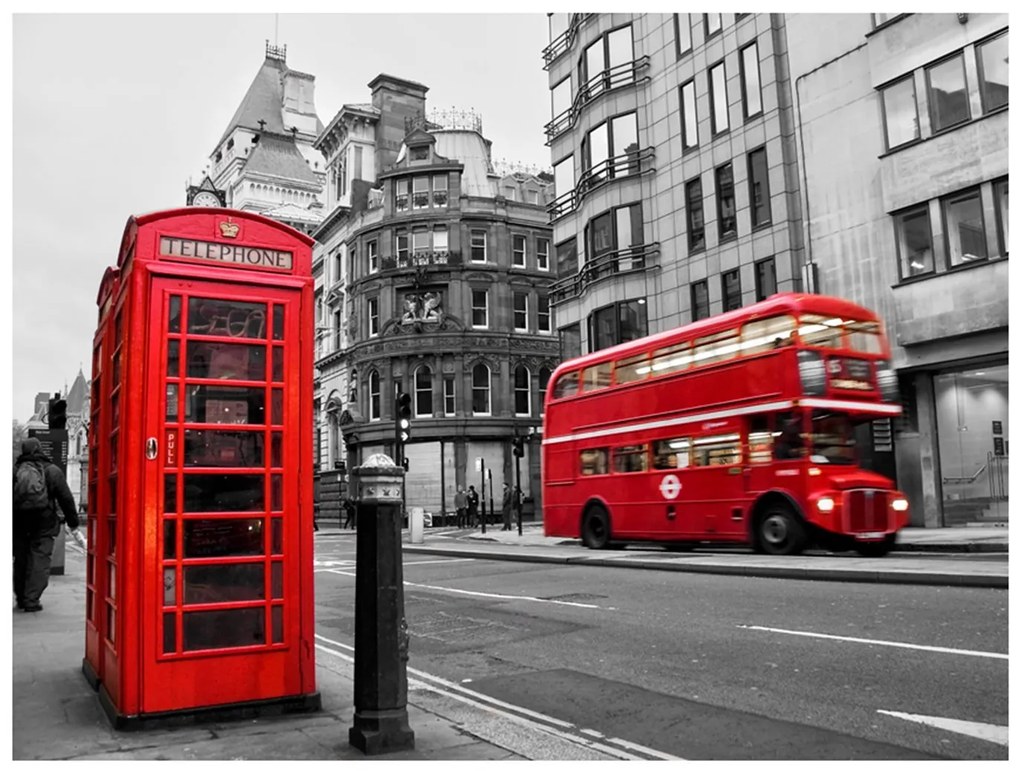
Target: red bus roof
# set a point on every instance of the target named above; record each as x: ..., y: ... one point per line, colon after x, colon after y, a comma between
x: 788, y: 302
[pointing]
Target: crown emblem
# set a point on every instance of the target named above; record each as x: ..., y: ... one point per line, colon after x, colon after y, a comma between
x: 229, y: 229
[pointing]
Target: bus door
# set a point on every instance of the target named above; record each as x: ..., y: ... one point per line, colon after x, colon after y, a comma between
x: 715, y: 478
x: 221, y: 563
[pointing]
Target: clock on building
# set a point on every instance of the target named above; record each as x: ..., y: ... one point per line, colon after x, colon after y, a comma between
x: 206, y: 198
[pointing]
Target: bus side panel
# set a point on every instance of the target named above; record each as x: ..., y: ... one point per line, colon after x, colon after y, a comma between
x: 561, y: 514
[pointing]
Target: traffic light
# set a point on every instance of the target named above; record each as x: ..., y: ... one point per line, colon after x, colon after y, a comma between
x: 519, y: 446
x: 57, y: 417
x: 403, y: 417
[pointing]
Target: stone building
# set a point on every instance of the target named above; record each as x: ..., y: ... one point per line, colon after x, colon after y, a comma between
x: 706, y: 161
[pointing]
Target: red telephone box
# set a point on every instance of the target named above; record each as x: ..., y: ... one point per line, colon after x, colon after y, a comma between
x: 199, y: 574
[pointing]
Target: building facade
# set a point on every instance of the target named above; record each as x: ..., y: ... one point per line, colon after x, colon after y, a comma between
x: 435, y: 274
x: 706, y: 161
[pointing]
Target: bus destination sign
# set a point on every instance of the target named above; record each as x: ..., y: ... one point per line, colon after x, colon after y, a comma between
x: 232, y: 254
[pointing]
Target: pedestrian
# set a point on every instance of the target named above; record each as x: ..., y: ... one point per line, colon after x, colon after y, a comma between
x: 460, y: 503
x: 472, y: 506
x: 508, y: 505
x: 39, y: 488
x: 350, y: 511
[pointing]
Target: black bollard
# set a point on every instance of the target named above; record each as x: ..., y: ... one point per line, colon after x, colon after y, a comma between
x: 380, y: 629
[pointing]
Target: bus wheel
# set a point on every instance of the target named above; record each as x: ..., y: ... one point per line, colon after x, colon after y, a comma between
x: 595, y: 529
x: 877, y: 548
x: 780, y: 532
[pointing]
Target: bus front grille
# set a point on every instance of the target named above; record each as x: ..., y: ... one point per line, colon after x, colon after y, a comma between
x: 866, y: 511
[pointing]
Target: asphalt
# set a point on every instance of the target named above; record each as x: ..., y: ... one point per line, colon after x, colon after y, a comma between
x: 57, y: 715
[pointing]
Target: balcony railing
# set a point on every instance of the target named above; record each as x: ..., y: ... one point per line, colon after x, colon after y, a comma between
x: 421, y: 258
x: 562, y: 43
x: 628, y: 164
x: 634, y: 258
x: 625, y: 74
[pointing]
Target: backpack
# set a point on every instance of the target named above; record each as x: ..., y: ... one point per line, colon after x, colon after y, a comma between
x: 30, y: 492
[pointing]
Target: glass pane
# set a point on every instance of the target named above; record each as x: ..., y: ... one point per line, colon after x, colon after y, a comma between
x: 598, y: 146
x: 173, y: 324
x: 169, y: 586
x: 278, y: 316
x: 900, y: 113
x: 594, y: 59
x: 226, y: 361
x: 947, y: 94
x: 277, y: 410
x: 224, y: 583
x: 625, y: 143
x: 276, y: 580
x: 966, y: 230
x: 277, y: 535
x: 224, y: 492
x: 690, y: 115
x: 752, y: 84
x: 720, y: 114
x: 223, y: 538
x: 277, y: 614
x: 169, y: 540
x: 170, y: 494
x: 915, y: 244
x: 223, y: 448
x: 634, y: 368
x: 277, y: 450
x: 173, y: 358
x: 210, y: 316
x: 224, y: 628
x: 215, y: 404
x: 111, y: 623
x: 171, y: 402
x: 169, y: 633
x: 993, y: 58
x: 277, y: 363
x: 620, y: 47
x: 276, y: 486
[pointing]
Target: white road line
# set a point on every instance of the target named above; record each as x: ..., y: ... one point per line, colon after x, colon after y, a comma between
x: 987, y: 731
x: 439, y: 562
x: 866, y: 641
x: 537, y: 720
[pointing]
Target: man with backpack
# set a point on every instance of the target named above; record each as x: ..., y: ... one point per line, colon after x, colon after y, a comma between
x: 39, y: 487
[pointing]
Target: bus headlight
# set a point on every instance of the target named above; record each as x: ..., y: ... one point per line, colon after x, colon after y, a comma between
x: 825, y: 504
x: 900, y: 504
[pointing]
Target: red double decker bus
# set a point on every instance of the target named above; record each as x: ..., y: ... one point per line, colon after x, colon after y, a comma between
x: 740, y: 428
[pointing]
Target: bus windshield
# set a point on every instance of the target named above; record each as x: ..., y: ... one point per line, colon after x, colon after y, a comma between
x: 831, y: 436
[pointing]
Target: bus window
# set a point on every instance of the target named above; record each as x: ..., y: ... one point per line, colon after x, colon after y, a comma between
x: 566, y: 385
x: 671, y: 359
x: 789, y: 444
x: 766, y: 334
x: 759, y: 440
x: 821, y: 331
x: 633, y: 457
x: 597, y: 376
x: 832, y: 438
x: 717, y: 347
x: 672, y: 453
x: 634, y: 368
x: 721, y: 450
x: 864, y: 336
x: 594, y: 462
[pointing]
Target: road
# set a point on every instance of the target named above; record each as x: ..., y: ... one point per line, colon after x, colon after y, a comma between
x: 662, y: 664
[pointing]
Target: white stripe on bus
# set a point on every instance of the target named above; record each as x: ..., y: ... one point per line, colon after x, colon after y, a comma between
x: 833, y: 404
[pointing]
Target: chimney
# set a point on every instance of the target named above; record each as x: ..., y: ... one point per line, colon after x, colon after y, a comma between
x: 396, y: 99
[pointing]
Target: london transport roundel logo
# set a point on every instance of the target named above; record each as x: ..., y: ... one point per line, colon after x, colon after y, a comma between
x: 670, y: 487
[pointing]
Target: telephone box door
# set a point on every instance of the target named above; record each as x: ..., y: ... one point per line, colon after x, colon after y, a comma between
x: 221, y: 595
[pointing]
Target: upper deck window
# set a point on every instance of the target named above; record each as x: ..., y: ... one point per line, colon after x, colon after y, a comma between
x: 597, y: 376
x: 566, y: 385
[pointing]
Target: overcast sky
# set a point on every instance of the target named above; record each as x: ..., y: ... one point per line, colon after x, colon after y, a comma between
x: 113, y: 113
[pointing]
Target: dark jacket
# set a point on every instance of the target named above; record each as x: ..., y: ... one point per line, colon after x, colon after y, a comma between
x: 56, y: 486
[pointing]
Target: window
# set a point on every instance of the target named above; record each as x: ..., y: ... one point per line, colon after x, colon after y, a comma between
x: 726, y: 206
x: 420, y: 242
x: 566, y: 257
x: 402, y: 248
x: 402, y: 197
x: 610, y: 150
x: 561, y: 98
x: 480, y: 390
x: 1001, y: 192
x: 717, y: 96
x: 947, y: 94
x: 520, y: 311
x: 542, y: 253
x: 766, y: 334
x: 423, y: 391
x: 914, y: 242
x: 372, y: 250
x: 720, y: 346
x: 519, y: 250
x: 595, y: 377
x: 671, y: 453
x: 374, y: 412
x: 618, y: 323
x: 723, y: 450
x: 338, y: 329
x: 713, y: 24
x: 522, y: 390
x: 688, y: 115
x: 509, y: 193
x: 682, y: 28
x: 563, y: 184
x: 699, y: 300
x: 440, y: 240
x: 765, y: 278
x: 570, y: 341
x: 631, y: 458
x: 544, y: 373
x: 695, y: 216
x: 602, y: 66
x: 731, y: 290
x: 440, y: 194
x: 619, y: 234
x: 567, y: 385
x: 338, y: 265
x: 993, y: 72
x: 750, y: 80
x: 544, y: 315
x: 373, y: 316
x: 420, y: 193
x: 758, y: 188
x: 477, y: 246
x: 479, y: 308
x: 420, y: 153
x: 899, y: 106
x: 965, y: 228
x: 594, y: 462
x: 449, y: 395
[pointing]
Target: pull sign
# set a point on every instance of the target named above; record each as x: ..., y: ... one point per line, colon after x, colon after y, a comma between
x: 150, y: 448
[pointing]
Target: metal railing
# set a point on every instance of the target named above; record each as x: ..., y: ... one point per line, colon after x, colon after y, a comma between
x: 565, y: 39
x: 634, y: 258
x: 625, y: 74
x: 628, y: 164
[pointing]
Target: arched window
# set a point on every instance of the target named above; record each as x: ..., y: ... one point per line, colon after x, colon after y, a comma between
x: 423, y: 391
x: 374, y: 411
x: 480, y: 404
x: 522, y: 390
x: 544, y: 374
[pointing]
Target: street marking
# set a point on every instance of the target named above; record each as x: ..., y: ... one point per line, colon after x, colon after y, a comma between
x: 933, y: 648
x: 524, y: 597
x: 987, y: 731
x: 438, y: 562
x: 522, y: 715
